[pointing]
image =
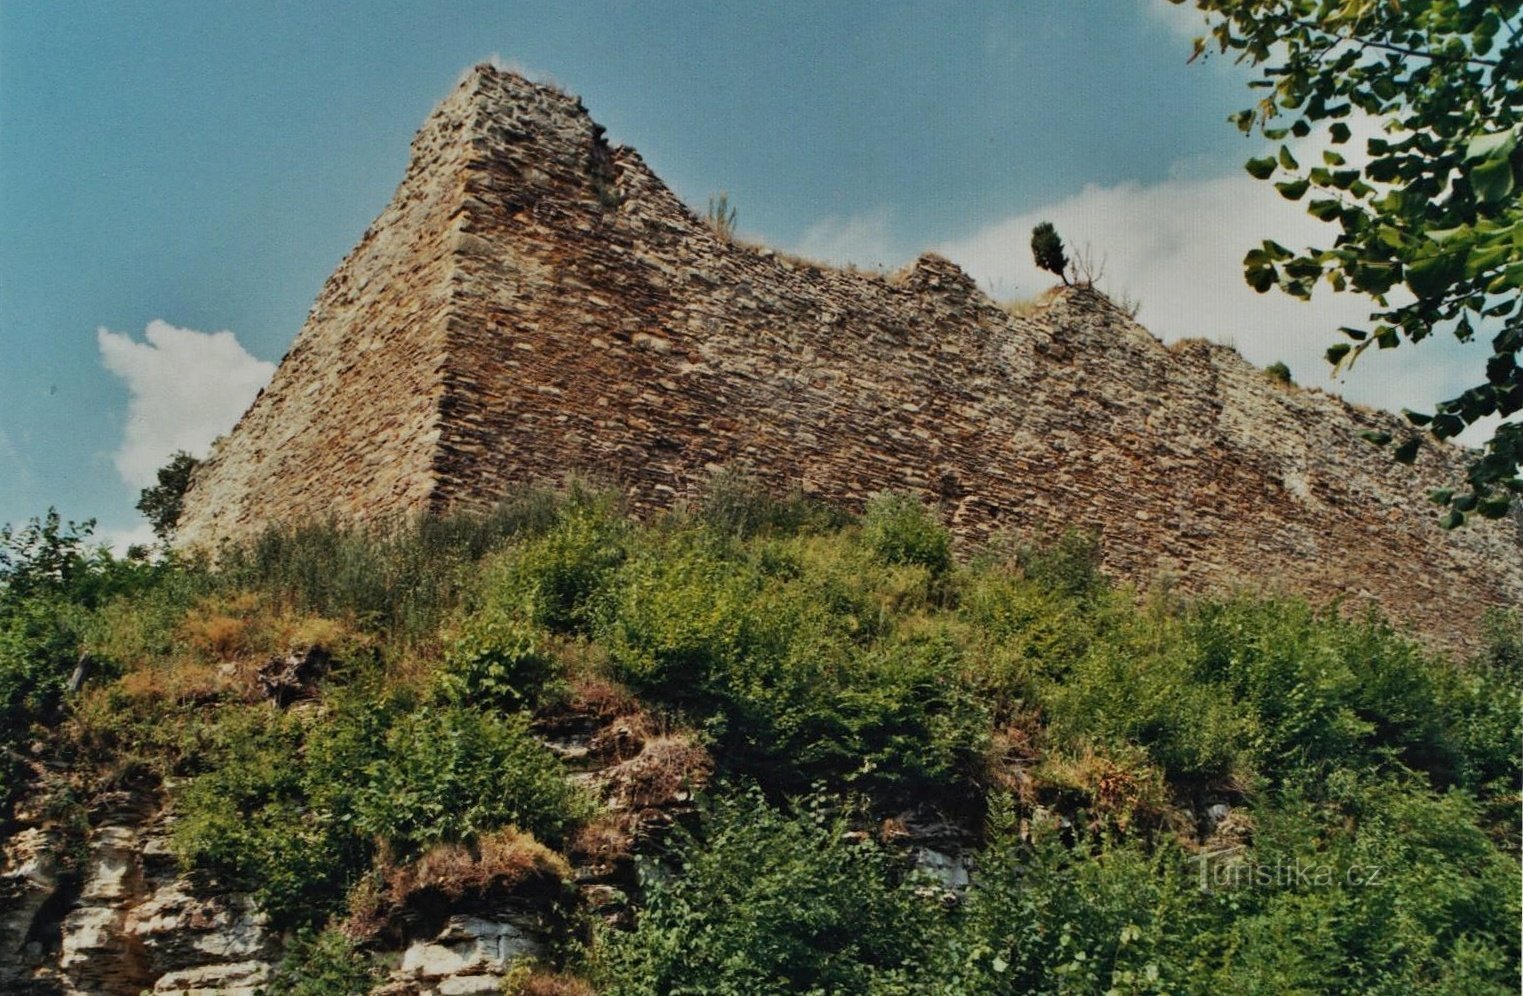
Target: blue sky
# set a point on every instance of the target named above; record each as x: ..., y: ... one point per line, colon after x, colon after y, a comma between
x: 173, y: 170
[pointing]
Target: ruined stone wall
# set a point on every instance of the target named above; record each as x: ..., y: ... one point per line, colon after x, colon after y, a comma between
x: 592, y: 323
x: 349, y: 423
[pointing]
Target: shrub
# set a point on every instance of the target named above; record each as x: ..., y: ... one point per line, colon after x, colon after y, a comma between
x: 551, y: 580
x: 403, y: 580
x: 1119, y: 694
x: 1044, y: 917
x: 497, y: 662
x: 898, y: 529
x: 1047, y: 250
x: 322, y: 964
x: 52, y: 582
x: 771, y: 901
x: 1068, y: 566
x: 245, y: 820
x: 377, y: 772
x: 783, y: 665
x: 162, y: 503
x: 1279, y: 373
x: 739, y: 506
x: 448, y: 774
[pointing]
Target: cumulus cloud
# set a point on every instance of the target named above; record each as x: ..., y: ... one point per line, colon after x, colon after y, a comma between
x: 1177, y: 248
x: 184, y: 389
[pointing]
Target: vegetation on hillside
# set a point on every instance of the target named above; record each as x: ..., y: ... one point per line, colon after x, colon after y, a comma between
x: 1239, y: 794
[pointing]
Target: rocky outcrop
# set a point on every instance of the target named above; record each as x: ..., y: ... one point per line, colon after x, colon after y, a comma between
x: 123, y: 920
x: 105, y: 910
x: 534, y: 302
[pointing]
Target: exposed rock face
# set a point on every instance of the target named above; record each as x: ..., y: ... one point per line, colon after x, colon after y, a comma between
x: 113, y: 915
x: 126, y: 921
x: 534, y: 302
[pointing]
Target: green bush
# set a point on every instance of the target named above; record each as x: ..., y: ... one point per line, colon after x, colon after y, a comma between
x: 551, y: 580
x: 497, y: 662
x: 53, y: 583
x: 1119, y: 693
x: 448, y: 774
x: 246, y: 819
x: 293, y: 807
x: 1044, y: 917
x: 736, y: 505
x: 402, y: 581
x: 771, y: 901
x: 325, y: 964
x: 1068, y: 566
x: 898, y: 529
x: 778, y: 653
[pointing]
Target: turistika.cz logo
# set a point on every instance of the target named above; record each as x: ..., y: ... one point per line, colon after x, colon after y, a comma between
x: 1229, y: 870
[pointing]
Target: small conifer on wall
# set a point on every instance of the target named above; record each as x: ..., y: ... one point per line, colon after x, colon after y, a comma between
x: 1047, y: 250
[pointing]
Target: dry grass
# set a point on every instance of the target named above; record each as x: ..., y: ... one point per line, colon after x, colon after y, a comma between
x: 231, y: 628
x: 217, y: 649
x: 592, y: 693
x: 1122, y: 790
x: 502, y: 862
x: 181, y: 679
x: 669, y: 769
x: 1029, y: 307
x: 607, y: 840
x: 528, y: 980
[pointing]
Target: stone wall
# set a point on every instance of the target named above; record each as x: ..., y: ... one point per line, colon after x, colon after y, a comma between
x: 535, y: 302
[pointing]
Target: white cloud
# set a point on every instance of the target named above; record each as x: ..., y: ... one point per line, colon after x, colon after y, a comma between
x: 1184, y: 19
x: 184, y: 389
x: 1177, y: 247
x: 119, y: 541
x: 863, y: 240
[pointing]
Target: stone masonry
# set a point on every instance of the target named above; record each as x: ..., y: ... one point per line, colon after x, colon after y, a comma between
x: 535, y: 302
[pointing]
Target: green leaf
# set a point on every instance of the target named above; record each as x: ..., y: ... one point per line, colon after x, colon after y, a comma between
x: 1260, y: 169
x: 1494, y: 508
x: 1509, y: 279
x: 1492, y: 180
x: 1485, y: 258
x: 1293, y: 190
x: 1446, y: 235
x: 1432, y: 275
x: 1407, y: 451
x: 1453, y: 520
x: 1339, y: 132
x: 1324, y: 210
x: 1376, y: 437
x: 1447, y: 426
x: 1336, y: 353
x: 1287, y: 160
x: 1498, y: 145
